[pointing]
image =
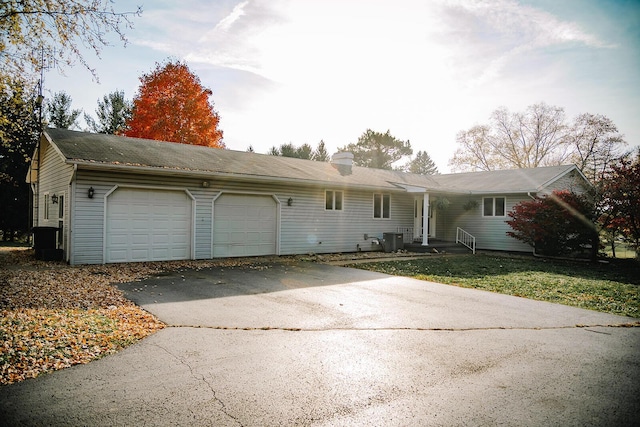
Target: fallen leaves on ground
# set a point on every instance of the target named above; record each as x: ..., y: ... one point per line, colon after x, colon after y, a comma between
x: 55, y: 315
x: 43, y: 340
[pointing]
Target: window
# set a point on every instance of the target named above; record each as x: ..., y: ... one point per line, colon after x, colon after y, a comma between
x: 381, y: 205
x: 61, y: 206
x: 493, y: 206
x: 46, y: 206
x: 333, y: 200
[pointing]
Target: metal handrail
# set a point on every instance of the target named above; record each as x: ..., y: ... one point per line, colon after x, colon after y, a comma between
x: 466, y: 239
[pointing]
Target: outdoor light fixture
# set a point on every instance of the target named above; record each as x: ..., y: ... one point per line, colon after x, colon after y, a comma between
x: 54, y: 199
x: 290, y: 201
x: 205, y: 184
x: 90, y: 192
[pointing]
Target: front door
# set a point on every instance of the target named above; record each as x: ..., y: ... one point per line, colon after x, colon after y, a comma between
x: 432, y: 221
x: 418, y: 210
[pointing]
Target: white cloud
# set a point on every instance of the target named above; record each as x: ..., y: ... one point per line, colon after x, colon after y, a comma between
x: 300, y: 71
x: 237, y: 12
x: 487, y: 36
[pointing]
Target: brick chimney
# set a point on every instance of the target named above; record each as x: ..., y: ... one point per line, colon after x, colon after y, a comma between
x: 343, y: 161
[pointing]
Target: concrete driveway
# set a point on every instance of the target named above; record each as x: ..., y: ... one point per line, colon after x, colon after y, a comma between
x: 312, y: 344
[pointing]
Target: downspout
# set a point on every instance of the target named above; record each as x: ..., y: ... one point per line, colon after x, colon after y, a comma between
x: 70, y: 206
x: 36, y: 185
x: 425, y: 220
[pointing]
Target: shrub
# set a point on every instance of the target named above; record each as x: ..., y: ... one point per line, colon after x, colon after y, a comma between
x: 559, y: 224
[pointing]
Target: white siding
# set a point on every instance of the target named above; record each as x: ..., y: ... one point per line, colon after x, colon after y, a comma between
x: 148, y: 225
x: 305, y: 227
x: 308, y: 228
x: 54, y: 178
x: 571, y: 181
x: 490, y: 232
x: 88, y: 231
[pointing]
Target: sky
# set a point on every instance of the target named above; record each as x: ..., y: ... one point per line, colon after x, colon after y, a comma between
x: 302, y: 71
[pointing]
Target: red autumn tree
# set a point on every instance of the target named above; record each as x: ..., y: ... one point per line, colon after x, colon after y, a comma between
x: 620, y: 203
x: 172, y: 105
x: 559, y: 224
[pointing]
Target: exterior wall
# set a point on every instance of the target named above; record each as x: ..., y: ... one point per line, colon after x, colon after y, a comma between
x: 88, y: 226
x: 305, y: 226
x: 308, y: 228
x: 490, y: 232
x: 571, y: 181
x: 54, y: 178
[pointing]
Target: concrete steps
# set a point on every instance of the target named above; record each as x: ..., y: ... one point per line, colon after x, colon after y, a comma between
x: 437, y: 246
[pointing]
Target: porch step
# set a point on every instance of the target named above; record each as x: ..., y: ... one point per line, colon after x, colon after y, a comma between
x: 437, y: 246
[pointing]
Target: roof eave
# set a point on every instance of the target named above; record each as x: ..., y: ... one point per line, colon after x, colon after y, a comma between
x: 561, y: 175
x: 494, y: 192
x: 151, y: 170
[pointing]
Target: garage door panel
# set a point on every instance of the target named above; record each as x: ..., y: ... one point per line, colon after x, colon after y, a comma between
x: 161, y: 253
x: 148, y: 225
x: 238, y: 237
x: 253, y: 237
x: 139, y: 254
x: 139, y: 210
x: 267, y: 238
x: 244, y: 225
x: 158, y: 239
x: 137, y: 239
x: 182, y: 240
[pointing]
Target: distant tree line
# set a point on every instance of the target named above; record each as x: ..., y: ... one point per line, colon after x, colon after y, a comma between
x: 373, y: 150
x: 539, y: 136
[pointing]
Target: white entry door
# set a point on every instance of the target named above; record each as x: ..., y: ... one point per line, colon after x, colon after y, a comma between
x: 148, y: 225
x: 244, y: 225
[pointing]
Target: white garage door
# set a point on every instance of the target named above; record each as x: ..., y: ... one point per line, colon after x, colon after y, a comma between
x: 244, y: 225
x: 148, y: 225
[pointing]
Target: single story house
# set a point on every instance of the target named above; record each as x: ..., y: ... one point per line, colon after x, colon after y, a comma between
x: 117, y: 199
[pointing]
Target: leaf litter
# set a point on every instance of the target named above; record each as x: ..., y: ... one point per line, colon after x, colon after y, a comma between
x: 54, y: 316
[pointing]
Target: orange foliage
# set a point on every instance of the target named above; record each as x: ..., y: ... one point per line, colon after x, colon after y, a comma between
x: 172, y: 105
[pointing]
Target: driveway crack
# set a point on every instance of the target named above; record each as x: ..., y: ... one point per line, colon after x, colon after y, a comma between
x: 202, y: 378
x: 486, y: 328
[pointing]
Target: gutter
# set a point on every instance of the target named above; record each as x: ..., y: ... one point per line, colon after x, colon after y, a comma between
x: 148, y: 170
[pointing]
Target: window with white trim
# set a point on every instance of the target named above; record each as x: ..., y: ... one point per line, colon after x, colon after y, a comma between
x: 494, y: 206
x: 381, y: 205
x: 333, y: 200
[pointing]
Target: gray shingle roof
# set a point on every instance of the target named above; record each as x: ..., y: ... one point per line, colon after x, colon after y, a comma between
x: 505, y: 181
x: 99, y: 150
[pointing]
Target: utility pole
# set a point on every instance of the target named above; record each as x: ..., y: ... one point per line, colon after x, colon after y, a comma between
x: 35, y: 186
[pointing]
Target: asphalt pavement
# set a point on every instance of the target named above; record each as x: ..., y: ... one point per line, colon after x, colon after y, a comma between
x: 313, y: 344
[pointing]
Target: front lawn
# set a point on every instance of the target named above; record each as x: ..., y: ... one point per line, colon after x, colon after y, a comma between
x: 612, y: 287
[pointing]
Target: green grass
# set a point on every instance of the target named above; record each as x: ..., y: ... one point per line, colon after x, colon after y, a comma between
x: 612, y: 287
x: 622, y: 251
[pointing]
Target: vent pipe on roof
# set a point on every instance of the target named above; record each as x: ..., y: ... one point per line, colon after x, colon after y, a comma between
x: 343, y: 161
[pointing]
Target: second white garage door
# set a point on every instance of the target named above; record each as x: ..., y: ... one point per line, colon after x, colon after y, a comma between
x: 148, y: 225
x: 244, y: 225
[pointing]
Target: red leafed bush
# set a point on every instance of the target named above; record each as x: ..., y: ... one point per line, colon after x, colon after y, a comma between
x: 559, y: 224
